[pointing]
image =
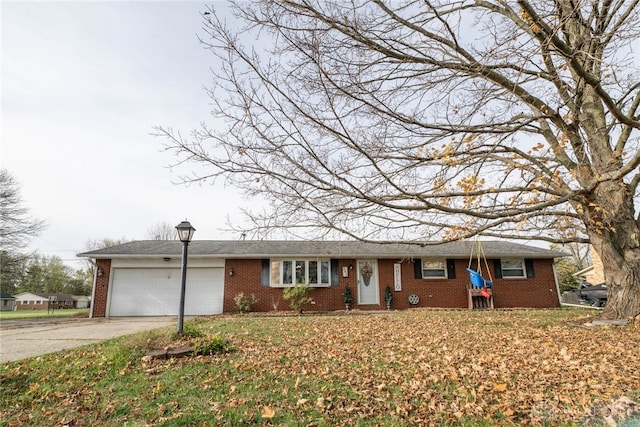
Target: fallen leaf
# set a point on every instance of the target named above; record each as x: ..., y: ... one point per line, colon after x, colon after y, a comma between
x: 268, y: 412
x: 500, y: 387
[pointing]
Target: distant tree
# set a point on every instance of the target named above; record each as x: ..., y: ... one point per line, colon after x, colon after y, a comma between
x: 16, y: 230
x: 46, y: 274
x: 95, y: 244
x: 12, y: 268
x: 431, y: 121
x: 162, y: 231
x: 80, y: 282
x: 565, y: 271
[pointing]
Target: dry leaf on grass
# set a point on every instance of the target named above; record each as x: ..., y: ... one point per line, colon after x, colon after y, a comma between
x: 268, y: 412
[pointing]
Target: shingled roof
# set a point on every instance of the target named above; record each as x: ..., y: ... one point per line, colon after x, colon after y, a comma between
x: 316, y: 248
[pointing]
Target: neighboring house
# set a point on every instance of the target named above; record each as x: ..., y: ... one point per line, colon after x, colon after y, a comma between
x: 7, y: 302
x: 593, y: 274
x: 42, y: 301
x: 80, y: 301
x: 142, y: 278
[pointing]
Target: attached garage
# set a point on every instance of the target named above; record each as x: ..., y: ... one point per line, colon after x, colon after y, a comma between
x: 156, y: 291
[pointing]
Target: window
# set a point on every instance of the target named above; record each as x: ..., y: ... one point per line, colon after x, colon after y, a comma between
x: 38, y: 302
x: 25, y: 302
x: 436, y: 269
x: 512, y: 268
x: 289, y: 272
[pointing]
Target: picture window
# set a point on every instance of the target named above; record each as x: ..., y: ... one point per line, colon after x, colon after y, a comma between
x: 315, y: 272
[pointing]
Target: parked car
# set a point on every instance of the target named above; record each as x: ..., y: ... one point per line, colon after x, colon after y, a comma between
x: 595, y: 295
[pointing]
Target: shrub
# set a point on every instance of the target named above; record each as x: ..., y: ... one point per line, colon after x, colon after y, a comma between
x: 189, y: 330
x: 211, y: 345
x: 244, y: 303
x: 298, y: 296
x: 347, y: 296
x: 388, y: 295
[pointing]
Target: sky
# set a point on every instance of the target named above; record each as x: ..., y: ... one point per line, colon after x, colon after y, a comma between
x: 83, y: 85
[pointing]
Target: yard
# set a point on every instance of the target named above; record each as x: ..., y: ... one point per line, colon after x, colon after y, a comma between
x: 400, y: 368
x: 32, y: 314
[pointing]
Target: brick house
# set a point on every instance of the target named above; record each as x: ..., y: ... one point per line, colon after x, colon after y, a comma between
x: 142, y: 278
x: 42, y: 301
x: 593, y: 274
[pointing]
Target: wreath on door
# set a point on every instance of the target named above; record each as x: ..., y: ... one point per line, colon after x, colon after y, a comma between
x: 366, y: 272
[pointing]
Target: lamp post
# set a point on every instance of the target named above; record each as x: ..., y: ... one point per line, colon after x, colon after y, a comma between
x: 185, y: 233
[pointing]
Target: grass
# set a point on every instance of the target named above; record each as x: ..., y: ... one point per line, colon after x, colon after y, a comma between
x: 32, y: 314
x: 400, y: 368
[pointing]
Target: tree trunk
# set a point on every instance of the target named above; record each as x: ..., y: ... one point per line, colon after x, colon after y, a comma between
x: 622, y: 275
x: 615, y: 235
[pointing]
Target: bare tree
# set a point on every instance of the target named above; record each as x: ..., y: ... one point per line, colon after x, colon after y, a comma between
x: 16, y: 227
x: 432, y: 121
x: 94, y: 244
x: 162, y: 231
x: 16, y: 230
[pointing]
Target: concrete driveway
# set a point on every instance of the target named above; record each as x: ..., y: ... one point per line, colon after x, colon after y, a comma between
x: 24, y: 338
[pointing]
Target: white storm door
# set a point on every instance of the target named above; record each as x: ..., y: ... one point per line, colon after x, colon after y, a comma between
x: 368, y: 292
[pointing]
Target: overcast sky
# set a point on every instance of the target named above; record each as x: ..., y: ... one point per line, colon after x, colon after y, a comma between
x: 83, y: 84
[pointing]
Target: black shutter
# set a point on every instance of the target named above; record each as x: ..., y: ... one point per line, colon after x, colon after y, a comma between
x: 265, y: 272
x: 451, y: 268
x: 417, y: 268
x: 528, y: 263
x: 497, y: 266
x: 335, y: 274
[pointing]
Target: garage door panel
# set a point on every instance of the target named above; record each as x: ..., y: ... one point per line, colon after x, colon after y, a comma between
x: 156, y: 291
x: 203, y: 293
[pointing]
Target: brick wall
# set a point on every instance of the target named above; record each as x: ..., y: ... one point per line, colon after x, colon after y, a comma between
x: 247, y: 279
x: 537, y: 292
x: 99, y: 302
x: 44, y: 305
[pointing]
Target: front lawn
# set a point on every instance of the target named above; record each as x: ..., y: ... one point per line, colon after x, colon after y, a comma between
x: 31, y: 314
x: 400, y: 368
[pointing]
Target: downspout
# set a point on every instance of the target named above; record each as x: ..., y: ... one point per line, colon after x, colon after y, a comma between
x: 555, y: 279
x: 93, y: 287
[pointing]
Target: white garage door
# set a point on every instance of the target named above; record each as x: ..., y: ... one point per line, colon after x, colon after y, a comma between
x: 156, y: 291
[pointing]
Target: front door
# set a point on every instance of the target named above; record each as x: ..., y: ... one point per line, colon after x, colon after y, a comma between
x: 368, y: 282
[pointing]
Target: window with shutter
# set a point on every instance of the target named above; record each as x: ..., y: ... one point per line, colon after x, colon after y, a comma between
x: 290, y: 272
x: 512, y: 268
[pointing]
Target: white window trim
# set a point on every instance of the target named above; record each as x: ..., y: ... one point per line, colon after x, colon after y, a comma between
x: 444, y: 269
x: 522, y: 265
x: 293, y: 261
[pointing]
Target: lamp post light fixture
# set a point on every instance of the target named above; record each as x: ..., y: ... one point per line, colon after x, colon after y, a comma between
x: 185, y: 233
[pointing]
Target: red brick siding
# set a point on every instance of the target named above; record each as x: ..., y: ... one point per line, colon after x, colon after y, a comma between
x: 537, y: 292
x: 44, y: 305
x: 247, y: 279
x: 99, y: 301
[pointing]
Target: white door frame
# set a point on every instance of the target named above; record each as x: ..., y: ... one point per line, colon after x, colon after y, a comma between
x: 372, y: 291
